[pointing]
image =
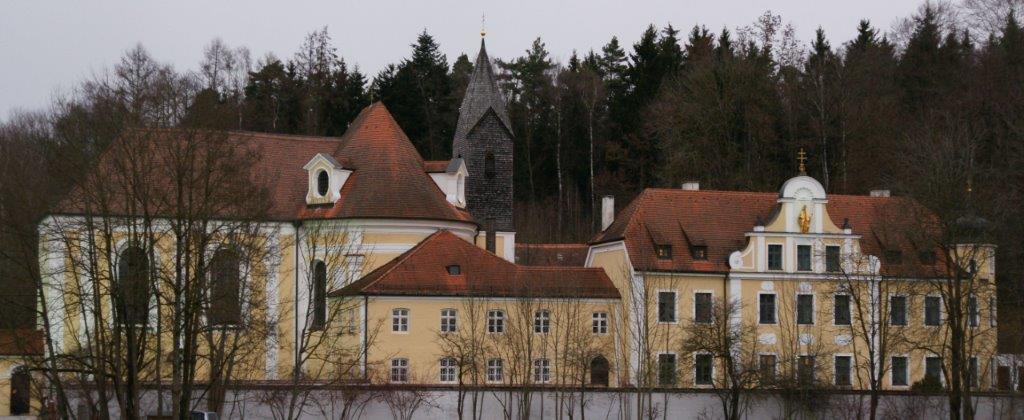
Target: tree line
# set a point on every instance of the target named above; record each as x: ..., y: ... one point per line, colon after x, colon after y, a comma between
x: 729, y: 108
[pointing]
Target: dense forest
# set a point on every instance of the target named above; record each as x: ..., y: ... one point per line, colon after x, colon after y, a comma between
x: 727, y: 107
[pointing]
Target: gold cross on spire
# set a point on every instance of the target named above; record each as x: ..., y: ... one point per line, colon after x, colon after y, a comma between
x: 483, y: 22
x: 802, y: 158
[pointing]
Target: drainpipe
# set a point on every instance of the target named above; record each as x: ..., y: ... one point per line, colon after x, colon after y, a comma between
x: 298, y: 358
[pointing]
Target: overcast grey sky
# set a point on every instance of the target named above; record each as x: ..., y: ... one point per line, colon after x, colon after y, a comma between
x: 48, y: 45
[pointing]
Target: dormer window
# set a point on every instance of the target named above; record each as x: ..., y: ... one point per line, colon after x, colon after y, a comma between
x: 323, y: 183
x: 927, y: 257
x: 893, y: 256
x: 326, y: 178
x: 454, y: 270
x: 663, y: 252
x: 489, y: 166
x: 700, y: 252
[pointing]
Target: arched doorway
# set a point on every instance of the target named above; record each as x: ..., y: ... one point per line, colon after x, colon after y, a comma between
x: 20, y: 391
x: 599, y: 371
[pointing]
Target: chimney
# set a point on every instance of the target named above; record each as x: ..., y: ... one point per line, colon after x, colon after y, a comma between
x: 880, y: 193
x: 691, y: 185
x: 607, y: 211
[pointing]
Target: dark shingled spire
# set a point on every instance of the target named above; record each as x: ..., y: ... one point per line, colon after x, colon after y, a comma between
x: 482, y: 95
x: 483, y: 138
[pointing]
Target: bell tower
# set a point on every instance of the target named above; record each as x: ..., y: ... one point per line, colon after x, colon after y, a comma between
x: 483, y: 139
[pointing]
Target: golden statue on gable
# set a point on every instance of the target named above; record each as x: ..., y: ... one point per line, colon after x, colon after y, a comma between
x: 804, y: 220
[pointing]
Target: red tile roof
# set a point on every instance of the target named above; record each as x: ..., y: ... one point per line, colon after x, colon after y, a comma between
x: 389, y: 178
x: 720, y: 220
x: 423, y: 271
x: 21, y: 342
x: 555, y: 255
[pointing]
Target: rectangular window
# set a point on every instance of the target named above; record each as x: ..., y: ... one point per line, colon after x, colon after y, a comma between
x: 664, y: 252
x: 832, y: 259
x: 666, y: 306
x: 542, y: 322
x: 666, y: 369
x: 805, y: 309
x: 400, y: 320
x: 700, y: 252
x: 805, y: 369
x: 766, y: 366
x: 495, y: 370
x: 842, y: 309
x: 893, y: 256
x: 932, y: 310
x: 933, y: 367
x: 803, y: 258
x: 542, y: 371
x: 349, y: 321
x: 702, y: 308
x: 992, y: 311
x: 766, y: 308
x: 1003, y: 380
x: 899, y: 371
x: 973, y: 312
x: 898, y: 310
x: 775, y: 257
x: 448, y: 369
x: 600, y: 322
x: 399, y: 370
x: 448, y: 321
x: 972, y: 372
x: 495, y: 321
x: 843, y: 367
x: 703, y: 369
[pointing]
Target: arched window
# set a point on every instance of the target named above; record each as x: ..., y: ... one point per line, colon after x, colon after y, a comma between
x: 20, y: 391
x: 599, y: 371
x: 319, y: 295
x: 225, y: 294
x: 489, y: 165
x: 322, y: 183
x: 132, y: 295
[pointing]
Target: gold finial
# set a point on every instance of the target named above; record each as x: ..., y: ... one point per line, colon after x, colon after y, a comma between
x: 483, y: 22
x: 970, y: 189
x: 802, y: 158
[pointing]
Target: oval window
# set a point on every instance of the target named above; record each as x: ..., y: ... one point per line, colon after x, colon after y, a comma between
x: 322, y: 183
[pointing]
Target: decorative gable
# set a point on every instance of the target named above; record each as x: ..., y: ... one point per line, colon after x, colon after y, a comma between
x: 326, y: 178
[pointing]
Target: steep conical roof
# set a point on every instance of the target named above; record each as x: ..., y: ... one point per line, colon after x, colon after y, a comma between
x: 388, y: 179
x: 482, y: 95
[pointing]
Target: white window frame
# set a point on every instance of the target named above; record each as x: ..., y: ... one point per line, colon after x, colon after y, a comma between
x: 775, y: 309
x: 835, y: 377
x: 906, y: 372
x: 796, y: 254
x: 814, y: 367
x: 542, y: 370
x: 449, y: 320
x: 767, y: 257
x: 451, y: 369
x: 675, y: 306
x: 814, y: 307
x: 849, y: 309
x: 400, y: 320
x: 906, y: 309
x: 498, y: 368
x: 498, y: 324
x: 399, y: 366
x: 973, y: 319
x: 599, y: 322
x: 942, y: 365
x: 924, y: 311
x: 693, y: 311
x: 542, y: 321
x: 775, y: 367
x: 992, y: 311
x: 695, y: 384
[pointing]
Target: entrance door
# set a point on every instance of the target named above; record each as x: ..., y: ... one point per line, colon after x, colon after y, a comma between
x: 599, y: 371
